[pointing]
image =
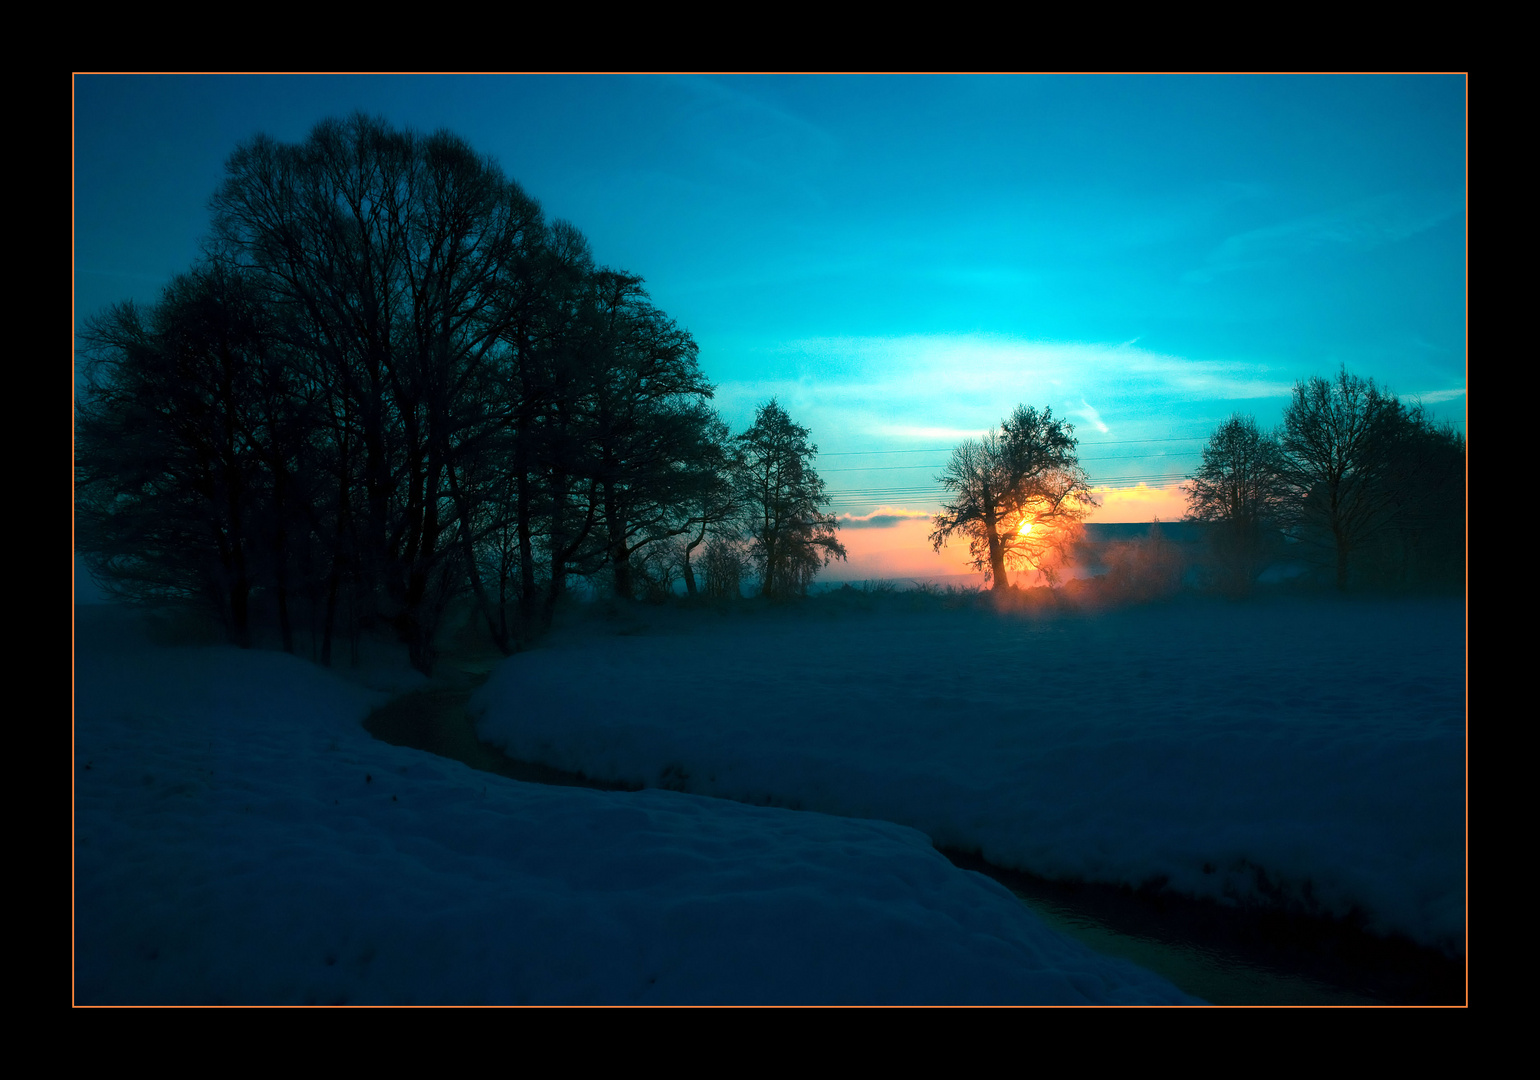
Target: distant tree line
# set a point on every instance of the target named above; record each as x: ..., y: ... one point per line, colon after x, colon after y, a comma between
x: 1365, y: 487
x: 390, y: 383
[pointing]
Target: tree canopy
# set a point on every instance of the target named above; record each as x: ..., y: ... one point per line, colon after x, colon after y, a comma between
x: 1358, y: 482
x: 1240, y: 493
x: 390, y: 382
x: 1020, y: 496
x: 1373, y: 482
x: 783, y: 499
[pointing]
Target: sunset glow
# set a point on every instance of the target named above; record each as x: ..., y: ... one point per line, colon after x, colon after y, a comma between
x: 896, y: 309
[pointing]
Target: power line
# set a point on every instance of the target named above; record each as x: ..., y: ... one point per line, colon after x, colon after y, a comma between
x: 936, y: 491
x: 949, y: 449
x: 897, y: 468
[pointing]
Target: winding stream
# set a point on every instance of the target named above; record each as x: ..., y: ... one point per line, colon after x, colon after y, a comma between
x: 1224, y: 955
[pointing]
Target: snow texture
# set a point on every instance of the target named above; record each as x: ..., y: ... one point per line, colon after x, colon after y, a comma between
x: 240, y: 839
x: 1309, y: 755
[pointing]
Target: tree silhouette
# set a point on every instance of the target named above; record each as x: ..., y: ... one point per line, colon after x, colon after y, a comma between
x: 1423, y: 542
x: 1020, y: 496
x: 653, y: 435
x: 391, y: 384
x: 1240, y: 493
x: 790, y: 537
x: 1337, y: 442
x: 184, y: 447
x: 714, y: 508
x: 1375, y: 485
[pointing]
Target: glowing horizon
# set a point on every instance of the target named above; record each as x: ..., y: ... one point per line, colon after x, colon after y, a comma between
x: 901, y: 261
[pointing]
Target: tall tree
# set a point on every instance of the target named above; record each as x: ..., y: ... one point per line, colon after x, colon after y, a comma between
x: 1020, y: 496
x: 178, y: 436
x: 651, y: 429
x: 395, y: 252
x: 715, y: 504
x: 1424, y: 543
x: 390, y: 383
x: 1239, y: 492
x: 1338, y: 444
x: 783, y: 497
x: 549, y: 314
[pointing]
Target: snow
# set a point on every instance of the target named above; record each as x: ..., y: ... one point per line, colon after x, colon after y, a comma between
x: 1307, y: 754
x: 239, y: 838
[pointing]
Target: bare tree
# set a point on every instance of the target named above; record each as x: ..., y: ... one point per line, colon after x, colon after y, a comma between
x: 790, y: 536
x: 395, y: 253
x: 1020, y: 496
x: 1423, y: 543
x: 1338, y: 451
x: 1240, y: 493
x: 391, y: 383
x: 653, y: 435
x: 716, y: 507
x: 185, y: 445
x: 725, y: 560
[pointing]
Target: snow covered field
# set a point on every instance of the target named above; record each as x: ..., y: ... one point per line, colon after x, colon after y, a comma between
x: 1308, y: 754
x: 239, y: 838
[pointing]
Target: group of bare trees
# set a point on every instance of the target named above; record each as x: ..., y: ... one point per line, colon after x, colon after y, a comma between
x: 390, y: 382
x: 1355, y: 481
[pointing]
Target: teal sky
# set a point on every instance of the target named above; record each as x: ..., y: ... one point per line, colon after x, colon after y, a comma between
x: 903, y: 260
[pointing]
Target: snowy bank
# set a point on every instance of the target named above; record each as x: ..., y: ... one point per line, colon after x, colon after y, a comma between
x: 240, y: 839
x: 1308, y: 754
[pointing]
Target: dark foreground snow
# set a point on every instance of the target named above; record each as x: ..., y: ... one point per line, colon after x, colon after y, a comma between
x: 241, y: 839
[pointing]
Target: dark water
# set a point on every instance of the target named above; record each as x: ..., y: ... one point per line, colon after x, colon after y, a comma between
x: 1212, y: 974
x: 1234, y: 956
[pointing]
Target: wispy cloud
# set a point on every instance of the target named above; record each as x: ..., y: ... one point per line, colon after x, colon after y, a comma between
x: 957, y: 385
x: 1433, y: 397
x: 934, y: 391
x: 1367, y: 224
x: 1089, y: 414
x: 733, y: 97
x: 750, y: 136
x: 882, y: 518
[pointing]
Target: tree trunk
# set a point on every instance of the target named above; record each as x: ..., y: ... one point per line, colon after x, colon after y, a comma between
x: 468, y: 549
x: 620, y: 558
x: 529, y: 592
x: 996, y: 551
x: 689, y: 574
x: 559, y: 551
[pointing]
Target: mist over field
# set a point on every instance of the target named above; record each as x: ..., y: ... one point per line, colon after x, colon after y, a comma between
x: 1302, y: 752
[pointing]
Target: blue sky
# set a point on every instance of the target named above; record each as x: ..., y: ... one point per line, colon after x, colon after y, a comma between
x: 903, y: 260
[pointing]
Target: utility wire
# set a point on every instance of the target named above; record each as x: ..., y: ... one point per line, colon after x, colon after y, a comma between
x: 940, y: 492
x: 942, y: 465
x: 949, y: 449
